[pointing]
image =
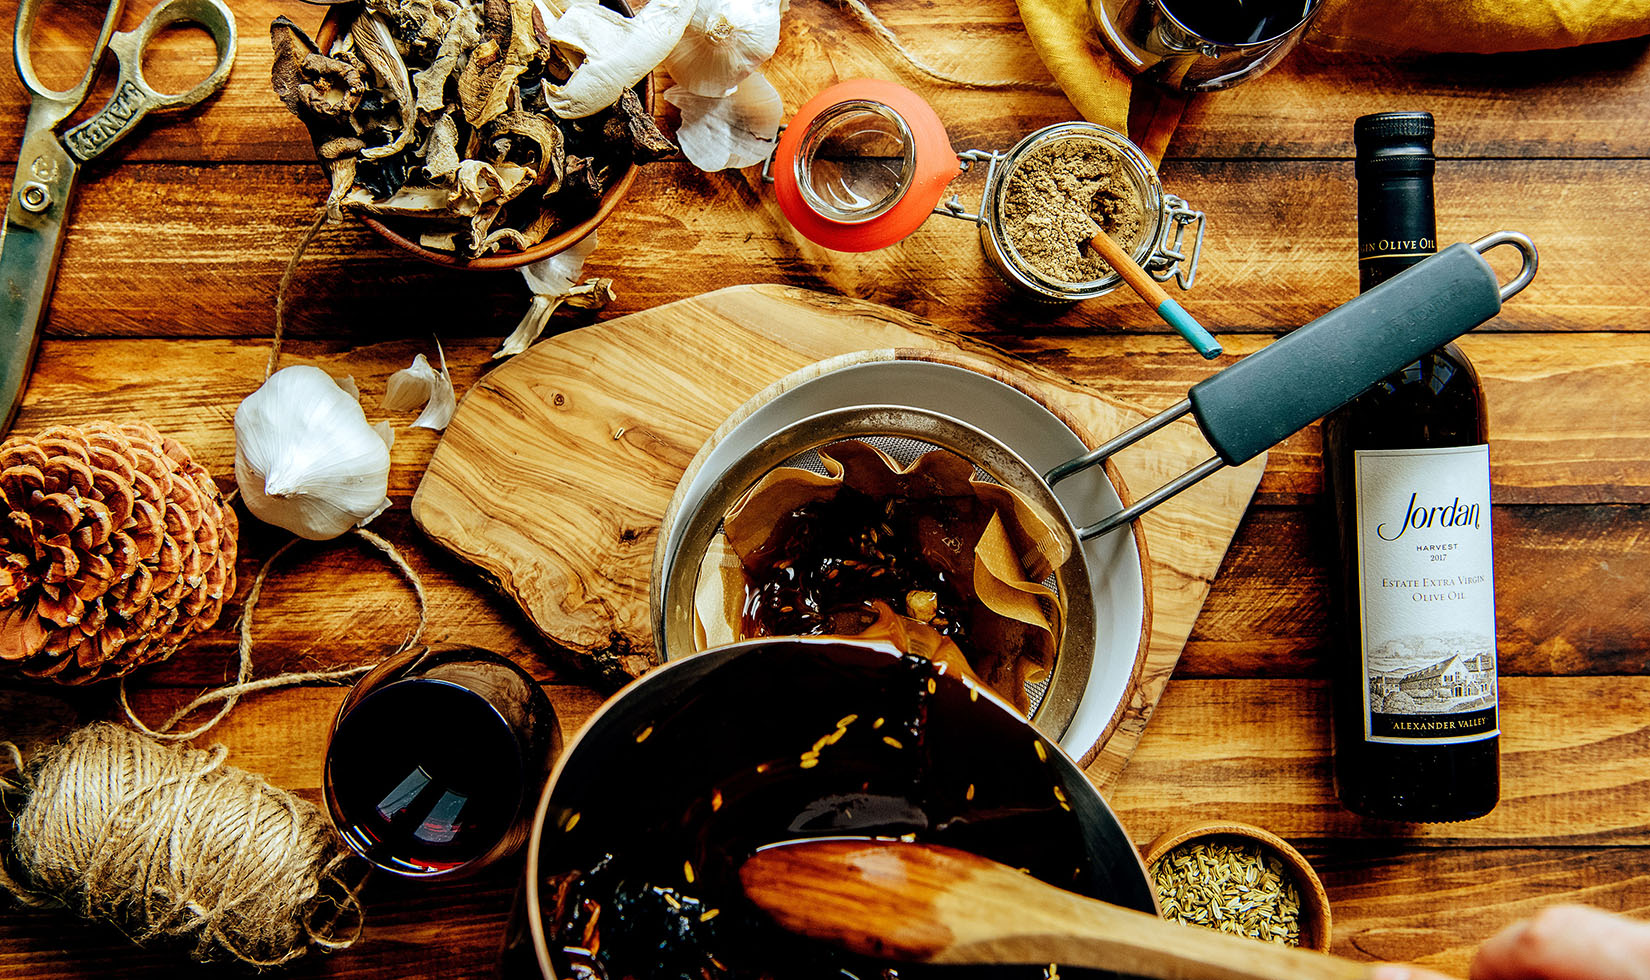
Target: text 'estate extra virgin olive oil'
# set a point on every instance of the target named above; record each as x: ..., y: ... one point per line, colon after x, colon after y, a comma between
x: 1406, y: 469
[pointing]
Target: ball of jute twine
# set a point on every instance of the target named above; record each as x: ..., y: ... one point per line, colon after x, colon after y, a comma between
x: 170, y: 844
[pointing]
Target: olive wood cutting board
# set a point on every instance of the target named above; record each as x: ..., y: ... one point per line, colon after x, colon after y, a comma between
x: 559, y: 466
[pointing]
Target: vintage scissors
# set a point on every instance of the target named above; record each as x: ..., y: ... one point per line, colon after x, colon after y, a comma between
x: 48, y: 163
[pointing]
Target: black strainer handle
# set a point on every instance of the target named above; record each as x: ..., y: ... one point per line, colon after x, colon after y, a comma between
x: 1266, y: 397
x: 1270, y: 395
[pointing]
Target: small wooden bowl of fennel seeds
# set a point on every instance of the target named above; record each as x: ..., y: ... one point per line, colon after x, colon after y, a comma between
x: 1239, y: 879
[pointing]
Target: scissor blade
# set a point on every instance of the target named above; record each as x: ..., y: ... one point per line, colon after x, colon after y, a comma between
x: 28, y: 260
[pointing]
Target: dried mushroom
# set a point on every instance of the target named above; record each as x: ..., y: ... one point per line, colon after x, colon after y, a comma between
x: 478, y: 126
x: 316, y: 88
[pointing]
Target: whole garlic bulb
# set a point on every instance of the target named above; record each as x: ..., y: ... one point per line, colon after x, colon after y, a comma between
x: 305, y: 457
x: 724, y: 42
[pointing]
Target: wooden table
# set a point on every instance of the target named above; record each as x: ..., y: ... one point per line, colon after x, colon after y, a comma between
x: 163, y: 309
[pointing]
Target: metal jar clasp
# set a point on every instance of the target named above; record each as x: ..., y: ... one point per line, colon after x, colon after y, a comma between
x: 1169, y: 259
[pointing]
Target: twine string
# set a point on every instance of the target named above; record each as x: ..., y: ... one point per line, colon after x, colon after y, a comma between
x: 15, y: 782
x: 869, y: 18
x: 230, y: 694
x: 170, y: 843
x: 280, y: 290
x: 13, y: 755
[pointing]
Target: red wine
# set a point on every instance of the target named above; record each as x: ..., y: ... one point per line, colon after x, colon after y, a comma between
x: 424, y: 776
x: 1406, y: 468
x: 1238, y: 21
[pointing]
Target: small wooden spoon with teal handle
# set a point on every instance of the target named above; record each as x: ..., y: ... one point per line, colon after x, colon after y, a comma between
x: 1142, y: 282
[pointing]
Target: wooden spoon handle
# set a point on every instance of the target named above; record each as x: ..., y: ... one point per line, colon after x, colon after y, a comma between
x: 928, y: 904
x: 1142, y: 283
x: 1124, y: 265
x: 1021, y: 924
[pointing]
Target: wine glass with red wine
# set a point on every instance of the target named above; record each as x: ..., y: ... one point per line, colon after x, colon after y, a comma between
x: 436, y: 760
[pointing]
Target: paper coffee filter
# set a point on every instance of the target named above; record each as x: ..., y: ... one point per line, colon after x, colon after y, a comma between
x: 1016, y: 621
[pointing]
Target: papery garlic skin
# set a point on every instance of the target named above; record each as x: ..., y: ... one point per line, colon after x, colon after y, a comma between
x: 422, y: 386
x: 618, y: 51
x: 305, y: 457
x: 732, y: 132
x: 724, y: 42
x: 554, y: 281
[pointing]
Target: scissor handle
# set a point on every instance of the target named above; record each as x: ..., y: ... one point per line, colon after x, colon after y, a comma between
x: 134, y: 98
x: 63, y: 103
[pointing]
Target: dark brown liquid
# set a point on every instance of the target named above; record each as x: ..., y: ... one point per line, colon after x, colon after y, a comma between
x: 1238, y: 21
x: 644, y: 883
x: 827, y: 562
x: 425, y: 775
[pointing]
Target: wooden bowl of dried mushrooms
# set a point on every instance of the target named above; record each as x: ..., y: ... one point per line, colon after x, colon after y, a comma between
x: 439, y: 129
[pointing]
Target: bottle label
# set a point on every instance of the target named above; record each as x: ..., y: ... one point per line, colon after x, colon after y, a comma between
x: 1397, y: 248
x: 1426, y: 595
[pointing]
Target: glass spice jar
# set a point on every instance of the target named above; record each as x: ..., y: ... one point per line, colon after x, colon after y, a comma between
x: 866, y: 162
x: 1160, y: 247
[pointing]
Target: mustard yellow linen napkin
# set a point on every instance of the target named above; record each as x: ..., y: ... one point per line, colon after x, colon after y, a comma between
x: 1064, y: 35
x: 1474, y: 26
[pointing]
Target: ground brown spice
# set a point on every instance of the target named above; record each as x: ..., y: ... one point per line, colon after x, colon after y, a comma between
x: 1058, y: 197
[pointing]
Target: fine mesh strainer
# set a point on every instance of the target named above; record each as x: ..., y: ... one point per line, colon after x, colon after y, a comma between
x: 905, y: 434
x: 906, y: 450
x: 1242, y: 411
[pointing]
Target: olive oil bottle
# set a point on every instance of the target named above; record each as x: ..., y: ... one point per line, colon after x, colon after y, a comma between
x: 1406, y: 470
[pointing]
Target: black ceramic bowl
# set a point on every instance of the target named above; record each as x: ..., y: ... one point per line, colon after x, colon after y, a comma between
x: 675, y: 781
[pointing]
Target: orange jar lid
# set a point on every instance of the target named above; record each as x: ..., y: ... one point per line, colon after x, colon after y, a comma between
x: 862, y: 165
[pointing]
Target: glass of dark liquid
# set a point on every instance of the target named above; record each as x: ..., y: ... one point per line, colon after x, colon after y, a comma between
x: 1200, y: 45
x: 436, y: 760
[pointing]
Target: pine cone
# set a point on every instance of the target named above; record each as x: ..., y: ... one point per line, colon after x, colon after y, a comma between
x: 115, y: 547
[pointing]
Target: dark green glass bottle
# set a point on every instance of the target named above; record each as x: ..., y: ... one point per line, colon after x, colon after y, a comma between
x: 1406, y: 471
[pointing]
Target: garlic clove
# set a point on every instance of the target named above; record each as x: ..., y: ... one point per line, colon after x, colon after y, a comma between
x: 736, y: 131
x: 422, y: 386
x: 724, y: 42
x: 559, y: 272
x: 618, y: 51
x: 305, y: 457
x: 554, y: 281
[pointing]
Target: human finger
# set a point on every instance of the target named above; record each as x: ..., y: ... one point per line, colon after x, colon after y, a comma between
x: 1567, y: 942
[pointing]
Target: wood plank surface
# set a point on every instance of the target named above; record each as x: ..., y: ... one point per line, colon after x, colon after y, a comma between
x: 1569, y: 414
x: 337, y: 604
x: 1577, y: 103
x: 1278, y: 253
x: 1573, y: 783
x: 164, y: 307
x: 1572, y: 595
x: 1567, y: 785
x: 1432, y: 906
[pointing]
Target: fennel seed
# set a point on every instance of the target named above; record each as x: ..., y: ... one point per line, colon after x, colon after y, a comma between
x: 1234, y: 887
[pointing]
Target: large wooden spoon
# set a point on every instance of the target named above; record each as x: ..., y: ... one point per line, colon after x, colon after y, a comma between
x: 922, y: 903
